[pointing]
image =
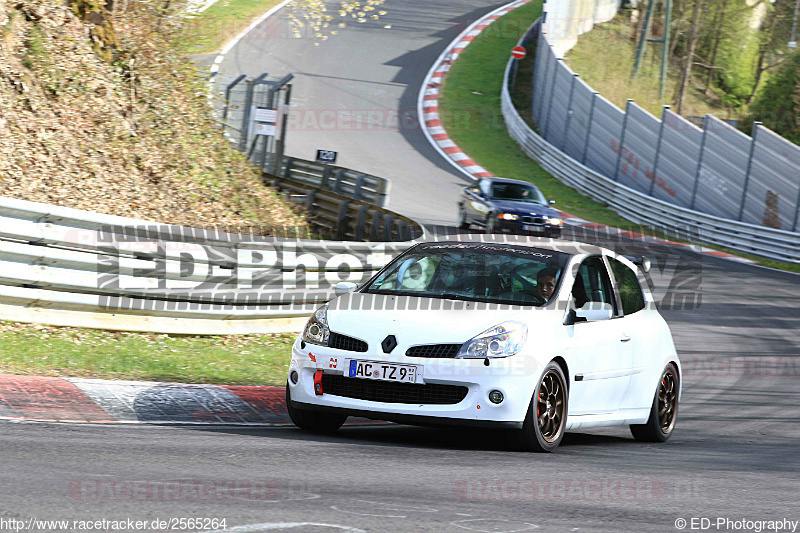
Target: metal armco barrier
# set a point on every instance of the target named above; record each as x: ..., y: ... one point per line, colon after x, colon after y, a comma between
x: 715, y: 169
x: 635, y: 205
x: 356, y: 185
x: 68, y: 267
x: 343, y: 217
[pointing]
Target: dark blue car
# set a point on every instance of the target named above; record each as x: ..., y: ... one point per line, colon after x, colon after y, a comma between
x: 499, y: 205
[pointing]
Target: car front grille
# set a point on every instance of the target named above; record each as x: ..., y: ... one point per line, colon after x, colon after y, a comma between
x: 343, y: 342
x: 434, y: 350
x: 391, y: 392
x: 532, y: 220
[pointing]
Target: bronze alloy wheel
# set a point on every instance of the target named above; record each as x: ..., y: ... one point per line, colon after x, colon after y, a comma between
x: 667, y: 400
x: 550, y: 406
x: 546, y: 419
x: 664, y: 409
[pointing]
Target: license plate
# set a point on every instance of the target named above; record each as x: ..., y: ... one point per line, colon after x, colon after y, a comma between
x: 529, y: 227
x: 382, y: 371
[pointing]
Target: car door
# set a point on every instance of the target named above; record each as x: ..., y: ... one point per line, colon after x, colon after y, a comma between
x: 637, y: 324
x: 600, y: 353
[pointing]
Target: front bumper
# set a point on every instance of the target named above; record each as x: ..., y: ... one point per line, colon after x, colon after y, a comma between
x: 515, y: 377
x: 517, y: 227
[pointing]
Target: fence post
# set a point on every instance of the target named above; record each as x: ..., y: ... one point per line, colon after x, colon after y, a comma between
x: 550, y: 102
x: 540, y: 109
x: 537, y: 67
x: 796, y: 209
x: 595, y: 94
x: 569, y: 109
x: 658, y: 149
x: 699, y: 161
x: 248, y: 102
x: 753, y: 142
x: 622, y: 139
x: 228, y: 90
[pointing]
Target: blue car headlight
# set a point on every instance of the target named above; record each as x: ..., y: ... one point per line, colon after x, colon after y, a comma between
x: 503, y: 340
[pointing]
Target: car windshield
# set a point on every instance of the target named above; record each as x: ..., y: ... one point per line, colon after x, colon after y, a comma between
x: 475, y: 272
x: 517, y: 192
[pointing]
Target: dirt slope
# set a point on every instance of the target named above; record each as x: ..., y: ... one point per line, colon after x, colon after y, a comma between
x: 98, y: 112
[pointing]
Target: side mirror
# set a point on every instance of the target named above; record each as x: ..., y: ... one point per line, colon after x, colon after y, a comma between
x: 343, y: 287
x: 551, y: 202
x: 594, y: 311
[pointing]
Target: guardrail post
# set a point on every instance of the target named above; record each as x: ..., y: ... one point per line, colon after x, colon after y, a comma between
x: 337, y: 185
x: 326, y: 175
x: 402, y: 231
x: 287, y: 170
x: 622, y: 139
x: 569, y: 109
x: 341, y: 220
x: 699, y: 161
x: 388, y: 222
x: 749, y: 168
x: 311, y: 195
x: 658, y: 149
x: 359, y: 185
x: 550, y: 103
x: 375, y: 230
x: 595, y: 94
x: 360, y: 222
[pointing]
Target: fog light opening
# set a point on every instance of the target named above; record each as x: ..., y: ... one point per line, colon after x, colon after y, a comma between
x: 496, y: 397
x: 294, y: 377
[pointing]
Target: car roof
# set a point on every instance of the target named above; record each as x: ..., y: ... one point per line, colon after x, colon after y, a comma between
x: 509, y: 180
x: 512, y: 241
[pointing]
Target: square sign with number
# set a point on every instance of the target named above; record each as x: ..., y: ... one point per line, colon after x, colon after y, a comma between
x: 327, y: 157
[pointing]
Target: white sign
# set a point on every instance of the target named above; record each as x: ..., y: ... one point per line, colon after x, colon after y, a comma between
x: 265, y: 129
x: 266, y: 115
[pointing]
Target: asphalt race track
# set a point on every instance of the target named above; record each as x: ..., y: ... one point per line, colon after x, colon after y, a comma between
x: 734, y: 453
x: 356, y: 94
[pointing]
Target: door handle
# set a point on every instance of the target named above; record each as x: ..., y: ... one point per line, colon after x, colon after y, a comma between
x: 625, y: 338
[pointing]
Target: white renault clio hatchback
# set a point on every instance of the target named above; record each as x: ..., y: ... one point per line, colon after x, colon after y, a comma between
x: 538, y: 339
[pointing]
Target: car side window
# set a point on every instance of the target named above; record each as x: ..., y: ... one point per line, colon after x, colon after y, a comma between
x: 628, y: 287
x: 592, y: 284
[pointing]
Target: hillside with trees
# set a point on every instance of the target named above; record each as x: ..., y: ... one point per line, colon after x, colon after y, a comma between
x: 732, y: 58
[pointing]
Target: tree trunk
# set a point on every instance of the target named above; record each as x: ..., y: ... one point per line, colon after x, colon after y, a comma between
x: 687, y: 66
x: 715, y: 47
x: 770, y: 21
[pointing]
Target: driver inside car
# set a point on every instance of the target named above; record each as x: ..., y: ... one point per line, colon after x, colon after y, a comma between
x: 546, y: 282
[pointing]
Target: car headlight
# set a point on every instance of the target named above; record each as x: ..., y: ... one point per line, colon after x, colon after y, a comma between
x: 500, y: 341
x: 507, y: 216
x: 554, y: 221
x: 316, y: 330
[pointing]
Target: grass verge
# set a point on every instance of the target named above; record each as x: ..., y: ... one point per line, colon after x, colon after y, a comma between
x: 210, y: 30
x: 470, y: 111
x: 33, y: 349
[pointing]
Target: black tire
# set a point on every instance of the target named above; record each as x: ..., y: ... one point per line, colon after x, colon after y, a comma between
x: 462, y: 219
x: 313, y: 421
x: 543, y: 431
x: 663, y: 412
